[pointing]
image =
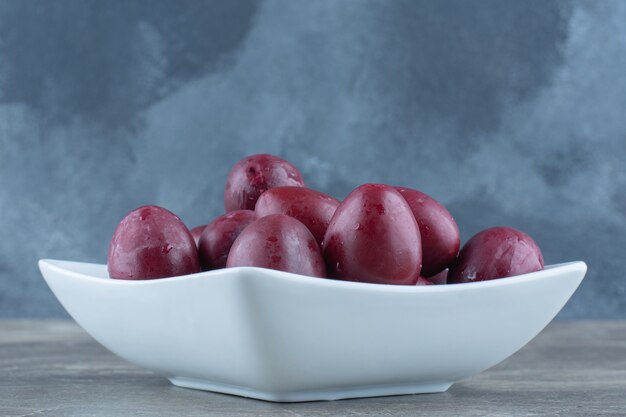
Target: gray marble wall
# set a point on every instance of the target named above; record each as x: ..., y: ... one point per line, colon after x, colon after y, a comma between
x: 509, y: 112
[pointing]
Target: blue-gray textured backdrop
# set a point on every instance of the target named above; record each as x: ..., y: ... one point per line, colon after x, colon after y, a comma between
x: 509, y: 112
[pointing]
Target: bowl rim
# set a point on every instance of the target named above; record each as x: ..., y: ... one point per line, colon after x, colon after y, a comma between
x: 62, y: 266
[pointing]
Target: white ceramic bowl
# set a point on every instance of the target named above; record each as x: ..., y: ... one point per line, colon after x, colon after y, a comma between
x: 282, y: 337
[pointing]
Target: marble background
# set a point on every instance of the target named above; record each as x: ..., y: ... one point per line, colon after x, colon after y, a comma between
x: 510, y: 113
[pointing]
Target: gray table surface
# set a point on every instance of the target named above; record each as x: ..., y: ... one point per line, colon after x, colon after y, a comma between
x: 53, y: 368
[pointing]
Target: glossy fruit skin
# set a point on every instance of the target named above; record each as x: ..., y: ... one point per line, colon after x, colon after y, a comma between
x: 255, y: 174
x: 151, y: 242
x: 497, y: 252
x: 373, y: 237
x: 312, y: 208
x: 278, y: 242
x: 196, y: 232
x: 219, y: 235
x: 440, y: 234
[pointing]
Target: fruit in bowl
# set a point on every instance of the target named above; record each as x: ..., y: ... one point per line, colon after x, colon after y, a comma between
x: 439, y: 232
x: 152, y: 242
x: 218, y: 236
x: 278, y: 242
x: 373, y: 237
x: 312, y: 208
x: 497, y: 252
x: 255, y: 174
x: 377, y: 234
x: 294, y: 327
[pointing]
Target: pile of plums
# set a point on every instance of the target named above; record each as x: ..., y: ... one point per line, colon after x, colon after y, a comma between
x: 378, y: 234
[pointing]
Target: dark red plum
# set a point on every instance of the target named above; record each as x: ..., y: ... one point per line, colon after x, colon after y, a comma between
x: 312, y: 208
x: 496, y: 253
x: 374, y: 237
x: 440, y: 234
x: 278, y: 242
x: 255, y: 174
x: 219, y: 235
x: 151, y: 242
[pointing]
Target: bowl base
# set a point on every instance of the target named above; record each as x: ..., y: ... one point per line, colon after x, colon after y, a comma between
x: 318, y: 395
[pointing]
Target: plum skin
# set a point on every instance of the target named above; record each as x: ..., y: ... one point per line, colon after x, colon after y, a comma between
x: 151, y: 242
x: 253, y: 175
x: 496, y: 252
x: 439, y: 232
x: 218, y: 236
x: 278, y: 242
x: 312, y: 208
x: 374, y: 237
x: 196, y: 232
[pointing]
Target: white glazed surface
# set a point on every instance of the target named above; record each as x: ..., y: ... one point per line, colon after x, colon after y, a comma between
x: 277, y: 336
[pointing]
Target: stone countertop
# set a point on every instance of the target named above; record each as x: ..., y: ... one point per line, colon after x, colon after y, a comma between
x: 53, y: 368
